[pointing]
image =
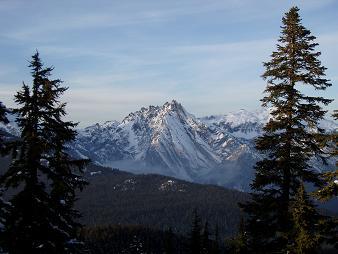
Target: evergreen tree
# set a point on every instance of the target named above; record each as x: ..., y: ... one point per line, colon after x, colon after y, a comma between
x: 136, y: 246
x: 4, y: 206
x: 215, y: 244
x: 330, y: 188
x: 41, y: 218
x: 3, y: 119
x: 289, y: 140
x: 195, y: 235
x: 3, y: 111
x: 306, y: 221
x: 238, y: 244
x: 205, y: 239
x: 168, y: 242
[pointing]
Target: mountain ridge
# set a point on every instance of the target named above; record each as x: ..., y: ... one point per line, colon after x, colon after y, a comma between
x: 168, y: 140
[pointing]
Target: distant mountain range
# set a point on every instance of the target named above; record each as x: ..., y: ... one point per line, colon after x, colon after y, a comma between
x: 170, y: 141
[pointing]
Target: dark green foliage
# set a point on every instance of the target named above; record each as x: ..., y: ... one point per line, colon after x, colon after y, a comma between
x: 117, y: 197
x: 136, y: 246
x: 200, y: 239
x: 206, y: 243
x: 127, y: 238
x: 306, y: 222
x: 215, y: 246
x: 239, y: 243
x: 131, y: 240
x: 195, y: 243
x: 3, y: 119
x: 41, y: 218
x: 329, y: 190
x: 4, y: 206
x: 289, y: 140
x: 169, y: 241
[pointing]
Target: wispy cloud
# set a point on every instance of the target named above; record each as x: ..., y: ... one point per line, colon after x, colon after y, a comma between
x: 117, y: 56
x: 114, y: 14
x: 89, y: 15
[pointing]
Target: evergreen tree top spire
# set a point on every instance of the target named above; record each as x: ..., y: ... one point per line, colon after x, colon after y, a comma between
x: 292, y: 16
x: 295, y: 59
x: 35, y: 64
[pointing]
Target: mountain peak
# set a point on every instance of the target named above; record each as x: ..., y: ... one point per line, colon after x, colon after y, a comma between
x: 151, y: 111
x: 172, y: 103
x: 174, y: 106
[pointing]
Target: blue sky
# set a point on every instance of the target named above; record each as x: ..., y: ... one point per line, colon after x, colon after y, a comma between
x: 117, y: 56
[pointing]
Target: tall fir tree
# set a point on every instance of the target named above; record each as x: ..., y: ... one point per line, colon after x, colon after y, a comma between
x: 195, y: 244
x: 41, y: 218
x: 289, y: 140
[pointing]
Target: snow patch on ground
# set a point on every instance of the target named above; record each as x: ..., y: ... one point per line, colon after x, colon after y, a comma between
x: 172, y: 185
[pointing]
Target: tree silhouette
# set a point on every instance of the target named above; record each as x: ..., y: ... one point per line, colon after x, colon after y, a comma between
x: 41, y: 218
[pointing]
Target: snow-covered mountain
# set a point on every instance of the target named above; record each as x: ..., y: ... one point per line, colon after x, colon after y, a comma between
x: 166, y: 140
x: 170, y: 141
x: 248, y: 124
x: 241, y: 124
x: 11, y: 127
